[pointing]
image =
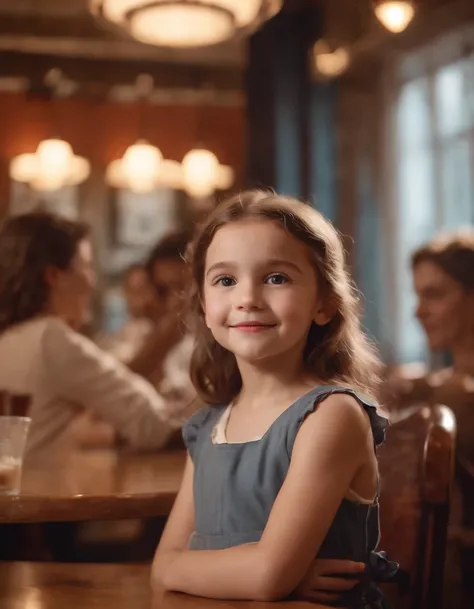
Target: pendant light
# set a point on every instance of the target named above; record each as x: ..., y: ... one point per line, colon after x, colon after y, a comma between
x: 139, y: 170
x: 184, y: 23
x: 395, y: 15
x: 330, y: 62
x: 54, y: 164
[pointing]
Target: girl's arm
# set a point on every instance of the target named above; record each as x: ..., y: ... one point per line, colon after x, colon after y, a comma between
x: 331, y: 447
x: 179, y: 526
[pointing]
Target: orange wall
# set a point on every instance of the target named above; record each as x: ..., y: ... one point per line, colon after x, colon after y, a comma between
x: 102, y: 131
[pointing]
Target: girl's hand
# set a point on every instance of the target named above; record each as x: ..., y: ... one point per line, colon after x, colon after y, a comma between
x: 322, y: 584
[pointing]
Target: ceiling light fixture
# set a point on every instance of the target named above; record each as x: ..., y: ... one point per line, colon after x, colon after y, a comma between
x: 202, y: 174
x: 138, y: 170
x: 394, y: 15
x: 329, y: 62
x: 185, y: 23
x: 51, y: 167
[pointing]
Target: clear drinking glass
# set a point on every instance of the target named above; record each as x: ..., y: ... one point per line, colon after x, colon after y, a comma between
x: 13, y: 434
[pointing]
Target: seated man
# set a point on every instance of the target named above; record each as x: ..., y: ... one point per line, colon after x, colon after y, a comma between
x: 165, y: 353
x: 141, y: 308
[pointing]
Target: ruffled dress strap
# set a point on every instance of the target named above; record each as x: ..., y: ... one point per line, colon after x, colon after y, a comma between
x: 198, y: 429
x: 310, y: 401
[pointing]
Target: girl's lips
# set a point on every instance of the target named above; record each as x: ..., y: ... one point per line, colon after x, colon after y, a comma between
x: 252, y: 326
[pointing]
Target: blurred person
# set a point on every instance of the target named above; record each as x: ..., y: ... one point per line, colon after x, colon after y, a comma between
x: 167, y: 271
x: 443, y: 273
x: 137, y: 291
x: 139, y: 298
x: 164, y: 357
x: 46, y: 284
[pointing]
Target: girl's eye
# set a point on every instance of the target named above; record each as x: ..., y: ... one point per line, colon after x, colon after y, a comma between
x: 225, y: 282
x: 277, y: 279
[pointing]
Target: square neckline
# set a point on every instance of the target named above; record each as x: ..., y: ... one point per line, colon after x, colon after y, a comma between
x: 261, y: 438
x: 355, y: 499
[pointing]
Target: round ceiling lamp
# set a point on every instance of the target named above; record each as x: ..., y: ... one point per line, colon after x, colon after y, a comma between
x: 328, y: 62
x: 138, y: 170
x: 51, y: 167
x: 203, y: 174
x: 395, y: 16
x: 185, y: 23
x: 142, y: 169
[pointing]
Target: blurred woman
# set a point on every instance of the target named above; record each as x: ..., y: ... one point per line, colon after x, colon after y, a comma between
x: 46, y: 284
x: 443, y: 272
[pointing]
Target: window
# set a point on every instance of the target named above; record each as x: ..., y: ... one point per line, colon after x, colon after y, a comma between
x: 454, y: 142
x: 433, y: 168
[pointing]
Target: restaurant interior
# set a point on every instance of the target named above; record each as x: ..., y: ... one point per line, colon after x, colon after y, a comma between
x: 135, y: 119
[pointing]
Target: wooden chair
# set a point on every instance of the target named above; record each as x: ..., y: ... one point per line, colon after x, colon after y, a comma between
x: 416, y: 468
x: 461, y: 531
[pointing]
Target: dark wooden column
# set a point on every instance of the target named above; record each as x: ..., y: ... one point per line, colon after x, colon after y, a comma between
x: 278, y: 86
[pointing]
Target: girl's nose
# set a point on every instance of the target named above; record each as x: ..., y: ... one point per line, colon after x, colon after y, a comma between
x: 248, y: 296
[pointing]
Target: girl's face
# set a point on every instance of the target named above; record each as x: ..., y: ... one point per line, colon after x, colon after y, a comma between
x: 444, y: 309
x: 260, y: 292
x: 71, y: 289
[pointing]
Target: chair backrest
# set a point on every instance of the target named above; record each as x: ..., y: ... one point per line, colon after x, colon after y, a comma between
x: 416, y: 468
x: 14, y: 404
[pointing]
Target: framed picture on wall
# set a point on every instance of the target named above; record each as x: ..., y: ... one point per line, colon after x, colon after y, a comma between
x: 65, y: 201
x: 141, y: 219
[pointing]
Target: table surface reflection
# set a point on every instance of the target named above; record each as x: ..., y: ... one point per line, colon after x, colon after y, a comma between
x: 96, y: 485
x: 55, y: 586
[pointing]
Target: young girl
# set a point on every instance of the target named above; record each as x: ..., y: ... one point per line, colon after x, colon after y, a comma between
x: 282, y: 466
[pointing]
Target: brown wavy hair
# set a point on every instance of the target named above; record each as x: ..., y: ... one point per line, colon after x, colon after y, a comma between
x: 453, y: 253
x: 338, y: 352
x: 29, y: 244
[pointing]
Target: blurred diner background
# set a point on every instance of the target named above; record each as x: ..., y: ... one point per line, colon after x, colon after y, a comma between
x: 122, y: 124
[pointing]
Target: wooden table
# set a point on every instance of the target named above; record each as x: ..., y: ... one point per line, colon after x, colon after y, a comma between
x: 26, y: 585
x: 96, y: 486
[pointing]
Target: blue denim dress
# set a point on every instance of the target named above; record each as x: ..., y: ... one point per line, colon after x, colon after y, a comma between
x: 235, y: 486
